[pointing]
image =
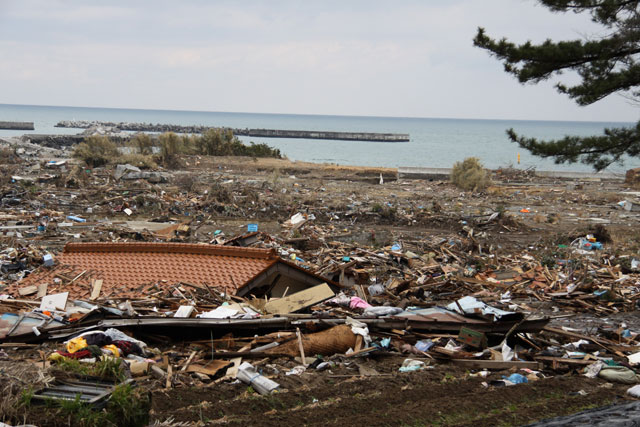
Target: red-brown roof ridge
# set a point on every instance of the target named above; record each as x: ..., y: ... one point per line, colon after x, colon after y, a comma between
x: 177, y: 248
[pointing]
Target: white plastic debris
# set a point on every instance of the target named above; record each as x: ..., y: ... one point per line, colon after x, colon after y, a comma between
x: 248, y: 375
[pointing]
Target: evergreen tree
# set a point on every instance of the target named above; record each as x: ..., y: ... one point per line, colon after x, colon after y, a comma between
x: 606, y: 65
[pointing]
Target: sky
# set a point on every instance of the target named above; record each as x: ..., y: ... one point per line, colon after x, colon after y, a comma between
x: 401, y: 58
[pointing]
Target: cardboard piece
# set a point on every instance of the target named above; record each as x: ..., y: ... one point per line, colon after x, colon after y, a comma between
x: 299, y: 300
x: 472, y: 338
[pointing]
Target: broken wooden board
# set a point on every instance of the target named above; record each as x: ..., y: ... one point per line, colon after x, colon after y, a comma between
x: 210, y: 368
x: 96, y: 287
x: 299, y: 300
x: 42, y: 290
x: 28, y: 290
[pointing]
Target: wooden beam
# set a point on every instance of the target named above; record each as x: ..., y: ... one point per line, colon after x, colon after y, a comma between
x: 496, y: 364
x: 299, y: 300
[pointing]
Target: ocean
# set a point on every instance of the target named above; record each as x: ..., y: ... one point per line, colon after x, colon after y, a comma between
x: 435, y: 142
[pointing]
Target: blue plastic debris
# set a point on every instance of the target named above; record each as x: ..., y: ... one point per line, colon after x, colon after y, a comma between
x: 76, y: 218
x: 251, y: 228
x: 346, y: 259
x: 516, y: 378
x: 423, y: 345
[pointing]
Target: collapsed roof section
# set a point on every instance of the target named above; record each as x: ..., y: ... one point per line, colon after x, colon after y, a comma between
x: 126, y: 268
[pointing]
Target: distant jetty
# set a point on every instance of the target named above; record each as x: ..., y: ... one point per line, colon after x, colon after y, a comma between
x: 263, y: 133
x: 17, y: 125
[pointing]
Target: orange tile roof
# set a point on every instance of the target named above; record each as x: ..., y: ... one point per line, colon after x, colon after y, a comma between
x: 130, y: 267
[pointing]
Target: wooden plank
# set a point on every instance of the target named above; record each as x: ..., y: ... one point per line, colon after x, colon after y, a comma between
x: 565, y: 361
x: 232, y: 371
x: 361, y: 351
x: 359, y: 341
x: 300, y: 346
x: 17, y: 345
x: 299, y: 300
x: 496, y: 364
x: 186, y: 365
x: 96, y: 287
x: 28, y: 290
x: 169, y: 377
x: 42, y: 290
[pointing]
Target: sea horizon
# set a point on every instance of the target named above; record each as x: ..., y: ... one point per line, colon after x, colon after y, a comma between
x: 314, y: 114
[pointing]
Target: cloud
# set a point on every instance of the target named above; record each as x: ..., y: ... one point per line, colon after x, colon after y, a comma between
x: 408, y: 58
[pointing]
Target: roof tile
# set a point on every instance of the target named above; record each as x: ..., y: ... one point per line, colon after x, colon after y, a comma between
x: 126, y: 267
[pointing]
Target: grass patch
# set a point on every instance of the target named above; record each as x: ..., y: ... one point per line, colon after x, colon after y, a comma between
x: 25, y: 397
x: 105, y: 368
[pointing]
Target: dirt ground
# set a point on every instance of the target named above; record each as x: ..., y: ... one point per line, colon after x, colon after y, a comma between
x: 444, y: 396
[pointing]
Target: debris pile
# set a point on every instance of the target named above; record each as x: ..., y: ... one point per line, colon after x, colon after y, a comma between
x: 199, y: 281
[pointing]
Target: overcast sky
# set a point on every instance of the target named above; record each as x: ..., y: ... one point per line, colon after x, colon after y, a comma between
x: 381, y: 58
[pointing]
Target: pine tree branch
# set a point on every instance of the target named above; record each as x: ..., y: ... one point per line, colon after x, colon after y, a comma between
x: 598, y: 151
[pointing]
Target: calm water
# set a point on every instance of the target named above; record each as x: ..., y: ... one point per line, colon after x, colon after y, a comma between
x: 434, y: 142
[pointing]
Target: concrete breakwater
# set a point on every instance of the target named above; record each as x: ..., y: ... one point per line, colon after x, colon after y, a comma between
x: 17, y: 125
x: 264, y: 133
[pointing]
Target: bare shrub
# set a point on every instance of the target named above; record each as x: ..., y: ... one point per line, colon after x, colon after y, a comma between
x: 470, y: 175
x: 96, y: 151
x: 142, y: 143
x: 171, y: 146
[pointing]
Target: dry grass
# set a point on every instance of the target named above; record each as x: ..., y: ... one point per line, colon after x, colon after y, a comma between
x: 139, y: 160
x: 8, y: 156
x: 17, y: 381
